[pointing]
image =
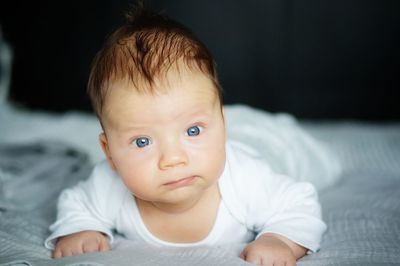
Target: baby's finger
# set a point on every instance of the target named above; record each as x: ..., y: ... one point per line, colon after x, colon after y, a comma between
x: 91, y: 247
x: 77, y: 250
x: 279, y: 263
x: 242, y: 256
x: 104, y: 245
x: 253, y: 258
x: 66, y: 253
x: 290, y: 263
x: 57, y: 254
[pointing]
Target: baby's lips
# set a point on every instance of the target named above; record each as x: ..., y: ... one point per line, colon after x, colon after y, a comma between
x: 182, y: 181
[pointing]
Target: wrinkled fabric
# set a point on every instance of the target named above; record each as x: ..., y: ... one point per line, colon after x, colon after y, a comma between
x: 284, y: 144
x: 33, y: 174
x: 361, y: 208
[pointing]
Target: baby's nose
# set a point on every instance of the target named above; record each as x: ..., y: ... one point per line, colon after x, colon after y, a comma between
x: 172, y: 156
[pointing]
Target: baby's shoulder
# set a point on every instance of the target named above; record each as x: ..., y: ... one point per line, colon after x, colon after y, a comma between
x: 249, y: 176
x: 245, y: 171
x: 105, y: 189
x: 104, y: 180
x: 244, y: 161
x: 250, y: 187
x: 102, y: 172
x: 246, y: 181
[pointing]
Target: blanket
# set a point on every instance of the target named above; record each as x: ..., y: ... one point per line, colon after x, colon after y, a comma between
x: 361, y: 207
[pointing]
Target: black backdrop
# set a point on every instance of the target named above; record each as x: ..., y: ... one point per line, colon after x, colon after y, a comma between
x: 315, y: 59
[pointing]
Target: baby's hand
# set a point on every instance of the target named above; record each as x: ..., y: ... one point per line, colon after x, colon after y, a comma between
x: 269, y: 249
x: 81, y: 242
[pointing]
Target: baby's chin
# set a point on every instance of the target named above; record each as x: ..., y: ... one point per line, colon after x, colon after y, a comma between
x: 182, y: 198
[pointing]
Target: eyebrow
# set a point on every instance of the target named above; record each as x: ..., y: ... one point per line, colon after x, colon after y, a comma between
x: 199, y: 114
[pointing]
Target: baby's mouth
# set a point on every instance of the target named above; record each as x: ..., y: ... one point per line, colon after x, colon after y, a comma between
x: 181, y: 182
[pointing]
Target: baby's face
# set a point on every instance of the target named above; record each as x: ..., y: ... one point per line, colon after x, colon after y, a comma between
x: 167, y: 146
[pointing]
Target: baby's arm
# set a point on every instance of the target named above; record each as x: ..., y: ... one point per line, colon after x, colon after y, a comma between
x: 287, y: 221
x: 86, y: 215
x: 79, y: 243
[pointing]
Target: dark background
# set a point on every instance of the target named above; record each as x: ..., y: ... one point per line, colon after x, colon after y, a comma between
x: 315, y: 59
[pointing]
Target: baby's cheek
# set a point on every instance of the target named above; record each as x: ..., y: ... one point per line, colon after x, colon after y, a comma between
x: 214, y: 161
x: 134, y: 177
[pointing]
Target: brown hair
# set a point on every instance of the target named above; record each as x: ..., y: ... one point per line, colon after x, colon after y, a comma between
x: 145, y: 47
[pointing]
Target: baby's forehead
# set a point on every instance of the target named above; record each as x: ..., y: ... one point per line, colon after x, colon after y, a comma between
x: 175, y: 77
x: 126, y: 101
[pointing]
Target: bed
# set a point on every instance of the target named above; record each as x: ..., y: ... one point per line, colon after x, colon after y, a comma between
x: 41, y: 153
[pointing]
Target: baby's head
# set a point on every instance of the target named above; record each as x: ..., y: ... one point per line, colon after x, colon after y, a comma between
x: 142, y: 52
x: 155, y: 90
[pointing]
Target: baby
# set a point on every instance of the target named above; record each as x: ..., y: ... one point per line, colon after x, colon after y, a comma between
x: 171, y: 178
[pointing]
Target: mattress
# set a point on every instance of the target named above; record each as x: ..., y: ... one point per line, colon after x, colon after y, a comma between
x: 41, y: 153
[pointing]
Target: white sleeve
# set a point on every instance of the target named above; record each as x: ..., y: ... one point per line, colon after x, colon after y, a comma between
x: 268, y: 202
x: 90, y: 205
x: 293, y: 211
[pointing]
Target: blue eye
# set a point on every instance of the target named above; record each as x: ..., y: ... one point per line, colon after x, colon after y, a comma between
x: 142, y: 142
x: 193, y: 131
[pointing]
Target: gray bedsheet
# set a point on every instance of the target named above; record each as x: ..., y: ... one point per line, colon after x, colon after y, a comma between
x: 362, y: 209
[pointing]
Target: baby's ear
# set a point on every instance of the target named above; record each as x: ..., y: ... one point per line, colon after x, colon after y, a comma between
x: 106, y: 150
x: 223, y: 113
x: 224, y: 120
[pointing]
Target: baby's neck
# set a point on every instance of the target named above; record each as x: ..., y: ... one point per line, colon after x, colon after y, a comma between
x: 188, y: 224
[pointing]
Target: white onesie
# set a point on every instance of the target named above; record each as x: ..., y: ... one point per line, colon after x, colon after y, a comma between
x: 254, y: 200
